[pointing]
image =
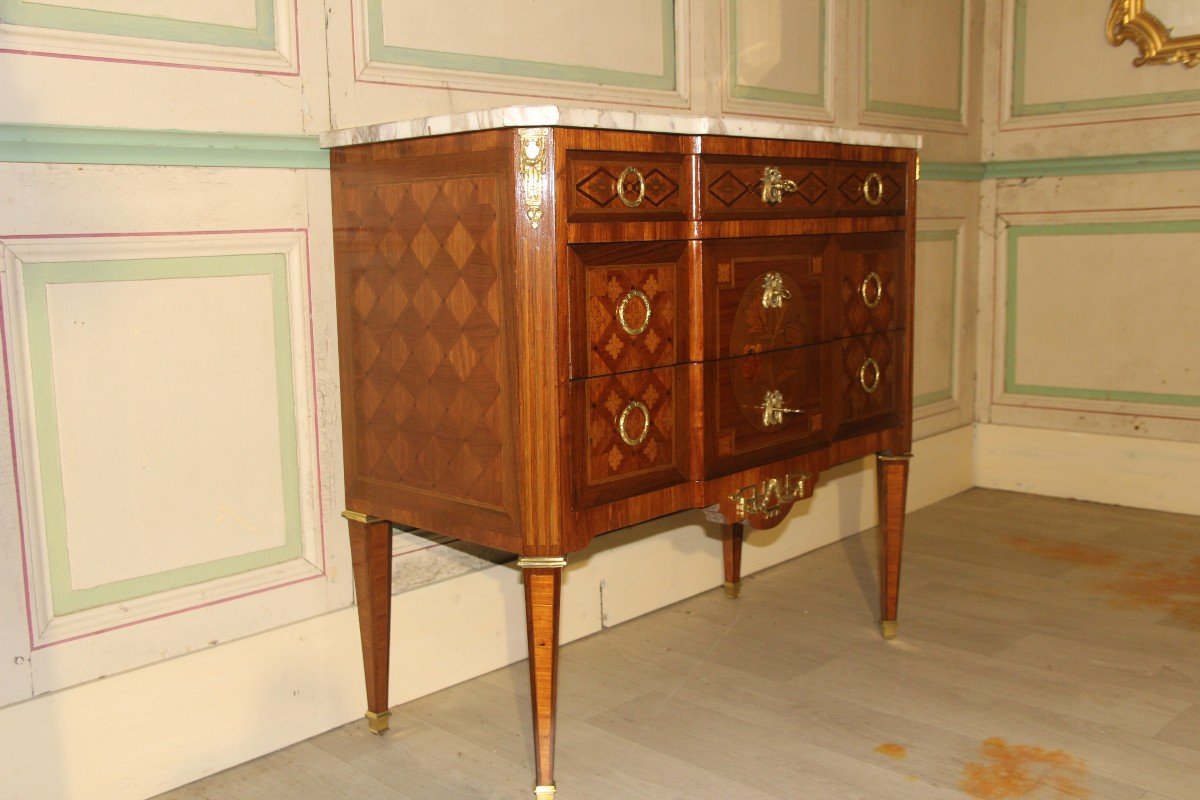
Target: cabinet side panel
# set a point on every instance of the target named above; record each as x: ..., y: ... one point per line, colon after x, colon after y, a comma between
x: 424, y: 289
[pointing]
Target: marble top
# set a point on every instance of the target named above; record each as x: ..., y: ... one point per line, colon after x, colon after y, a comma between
x: 649, y: 122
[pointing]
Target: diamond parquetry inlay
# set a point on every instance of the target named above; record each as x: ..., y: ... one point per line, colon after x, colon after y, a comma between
x: 426, y: 345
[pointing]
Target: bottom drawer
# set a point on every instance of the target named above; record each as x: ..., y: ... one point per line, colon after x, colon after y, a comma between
x: 867, y: 383
x: 765, y: 406
x: 631, y: 433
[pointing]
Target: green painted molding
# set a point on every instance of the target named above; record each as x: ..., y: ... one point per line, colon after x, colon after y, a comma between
x: 1018, y: 232
x: 1183, y: 160
x: 908, y: 109
x: 1095, y: 165
x: 768, y: 95
x: 379, y: 50
x: 947, y: 393
x: 1020, y: 108
x: 53, y: 144
x: 66, y: 598
x: 951, y: 171
x: 111, y: 23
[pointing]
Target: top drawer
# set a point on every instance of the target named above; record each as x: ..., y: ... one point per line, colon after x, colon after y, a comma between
x: 740, y: 187
x: 603, y: 186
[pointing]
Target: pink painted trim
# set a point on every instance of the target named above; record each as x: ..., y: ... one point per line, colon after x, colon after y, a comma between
x: 176, y: 612
x: 12, y: 437
x: 13, y: 434
x: 312, y: 366
x: 1095, y: 211
x: 145, y: 62
x: 173, y: 65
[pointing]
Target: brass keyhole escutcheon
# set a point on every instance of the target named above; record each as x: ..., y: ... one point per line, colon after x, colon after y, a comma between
x: 871, y: 290
x: 623, y: 307
x: 623, y: 422
x: 773, y: 408
x: 873, y: 189
x: 631, y: 202
x: 872, y: 366
x: 773, y: 292
x: 775, y: 186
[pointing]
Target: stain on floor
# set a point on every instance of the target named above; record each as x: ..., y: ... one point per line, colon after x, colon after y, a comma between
x: 1024, y: 772
x: 1086, y: 555
x: 892, y: 750
x: 1170, y: 586
x: 1155, y: 585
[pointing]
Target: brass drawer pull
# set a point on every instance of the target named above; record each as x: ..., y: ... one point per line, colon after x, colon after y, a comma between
x: 773, y: 292
x: 877, y: 373
x: 873, y: 189
x: 773, y: 410
x: 624, y: 305
x: 633, y: 202
x: 871, y: 299
x: 634, y: 405
x: 775, y: 186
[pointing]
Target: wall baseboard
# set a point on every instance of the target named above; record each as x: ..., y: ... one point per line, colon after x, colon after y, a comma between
x: 1121, y: 470
x: 135, y: 734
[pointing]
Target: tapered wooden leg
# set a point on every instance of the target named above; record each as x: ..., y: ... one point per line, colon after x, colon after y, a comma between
x: 731, y: 538
x: 371, y: 552
x: 543, y: 587
x: 891, y: 472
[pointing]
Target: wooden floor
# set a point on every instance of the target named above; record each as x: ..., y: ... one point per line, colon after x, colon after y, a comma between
x: 1048, y: 649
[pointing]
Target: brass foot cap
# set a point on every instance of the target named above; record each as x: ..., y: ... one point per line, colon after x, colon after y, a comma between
x: 544, y: 791
x: 888, y: 626
x: 378, y: 723
x: 732, y: 590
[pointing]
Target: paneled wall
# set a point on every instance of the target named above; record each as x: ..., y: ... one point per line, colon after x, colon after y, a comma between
x: 1089, y: 262
x: 173, y: 483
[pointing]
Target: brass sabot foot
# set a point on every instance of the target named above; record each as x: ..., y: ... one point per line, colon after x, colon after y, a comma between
x: 732, y: 590
x: 888, y: 626
x: 378, y: 723
x: 544, y: 792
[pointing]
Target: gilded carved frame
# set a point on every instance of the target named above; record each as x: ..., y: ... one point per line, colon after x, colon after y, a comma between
x: 1128, y: 20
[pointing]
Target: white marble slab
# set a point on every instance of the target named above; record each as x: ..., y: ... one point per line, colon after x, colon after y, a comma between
x: 544, y: 116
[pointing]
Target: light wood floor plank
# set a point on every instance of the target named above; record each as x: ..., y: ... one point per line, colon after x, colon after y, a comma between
x: 1020, y: 644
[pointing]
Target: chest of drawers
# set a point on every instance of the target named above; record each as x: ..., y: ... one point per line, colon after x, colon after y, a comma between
x: 548, y: 333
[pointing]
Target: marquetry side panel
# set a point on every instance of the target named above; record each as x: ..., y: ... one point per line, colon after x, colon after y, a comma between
x: 426, y: 352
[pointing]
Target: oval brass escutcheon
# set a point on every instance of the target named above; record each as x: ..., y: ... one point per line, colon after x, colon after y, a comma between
x: 873, y: 189
x: 623, y: 421
x: 623, y: 307
x: 633, y: 202
x: 876, y: 373
x: 871, y: 297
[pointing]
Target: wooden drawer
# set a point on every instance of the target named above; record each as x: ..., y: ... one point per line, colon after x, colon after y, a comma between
x: 731, y: 187
x: 760, y: 408
x: 868, y: 187
x: 616, y: 186
x: 624, y: 301
x: 866, y: 382
x: 630, y: 433
x: 870, y: 284
x: 764, y: 294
